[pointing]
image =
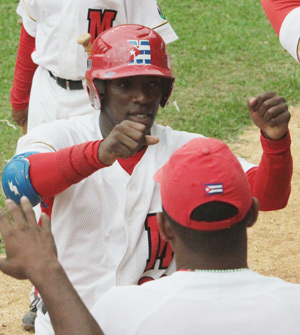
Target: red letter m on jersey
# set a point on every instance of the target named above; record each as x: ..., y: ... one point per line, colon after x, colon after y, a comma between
x: 158, y: 248
x: 100, y: 20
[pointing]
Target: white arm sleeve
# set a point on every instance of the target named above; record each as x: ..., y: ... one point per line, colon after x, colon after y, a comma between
x: 290, y: 33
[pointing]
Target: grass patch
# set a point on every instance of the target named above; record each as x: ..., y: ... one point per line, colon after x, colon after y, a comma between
x: 227, y: 51
x: 9, y: 38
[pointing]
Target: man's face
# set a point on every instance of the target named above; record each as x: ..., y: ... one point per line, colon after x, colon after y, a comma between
x: 131, y: 98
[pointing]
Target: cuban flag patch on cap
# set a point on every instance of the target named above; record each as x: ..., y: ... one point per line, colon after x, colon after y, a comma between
x: 210, y: 189
x: 140, y: 52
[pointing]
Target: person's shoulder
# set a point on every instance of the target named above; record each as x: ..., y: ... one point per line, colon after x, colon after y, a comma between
x: 63, y: 133
x: 170, y: 137
x: 90, y: 121
x: 274, y: 285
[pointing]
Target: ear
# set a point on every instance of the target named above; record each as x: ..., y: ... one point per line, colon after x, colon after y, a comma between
x: 100, y: 85
x: 164, y: 227
x: 100, y: 89
x: 253, y: 212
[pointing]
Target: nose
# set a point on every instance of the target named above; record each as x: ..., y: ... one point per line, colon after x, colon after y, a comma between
x: 140, y: 95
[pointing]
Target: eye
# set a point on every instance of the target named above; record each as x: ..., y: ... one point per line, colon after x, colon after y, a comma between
x: 154, y: 82
x: 123, y: 83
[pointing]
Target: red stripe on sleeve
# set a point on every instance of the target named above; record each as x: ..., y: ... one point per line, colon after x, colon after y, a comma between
x: 277, y: 10
x: 24, y: 71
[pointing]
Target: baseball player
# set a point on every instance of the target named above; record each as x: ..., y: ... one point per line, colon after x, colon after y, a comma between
x: 94, y: 173
x: 284, y: 15
x: 207, y: 208
x: 50, y: 66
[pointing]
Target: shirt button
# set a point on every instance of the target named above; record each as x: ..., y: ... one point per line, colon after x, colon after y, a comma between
x: 131, y: 188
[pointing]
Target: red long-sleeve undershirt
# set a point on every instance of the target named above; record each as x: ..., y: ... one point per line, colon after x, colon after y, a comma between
x: 52, y: 173
x: 24, y: 71
x: 277, y: 10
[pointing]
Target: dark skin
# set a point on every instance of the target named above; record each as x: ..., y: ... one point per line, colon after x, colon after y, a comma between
x: 270, y: 114
x: 131, y: 104
x: 124, y: 135
x: 129, y: 109
x: 25, y: 241
x: 20, y: 118
x: 231, y: 258
x: 128, y: 112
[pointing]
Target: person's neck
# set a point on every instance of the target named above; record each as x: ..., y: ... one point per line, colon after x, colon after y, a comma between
x: 220, y: 263
x: 105, y: 124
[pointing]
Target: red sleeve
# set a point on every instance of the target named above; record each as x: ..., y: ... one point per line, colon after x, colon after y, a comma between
x: 24, y: 71
x: 51, y: 173
x: 277, y: 10
x: 270, y: 182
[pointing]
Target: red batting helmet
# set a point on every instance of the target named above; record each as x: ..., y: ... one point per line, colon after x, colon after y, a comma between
x: 125, y: 51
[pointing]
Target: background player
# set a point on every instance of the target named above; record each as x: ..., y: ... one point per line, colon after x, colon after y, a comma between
x: 105, y: 164
x: 213, y: 291
x: 49, y: 35
x: 284, y: 16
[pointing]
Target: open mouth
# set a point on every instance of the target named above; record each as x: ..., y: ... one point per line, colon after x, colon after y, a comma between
x: 141, y: 118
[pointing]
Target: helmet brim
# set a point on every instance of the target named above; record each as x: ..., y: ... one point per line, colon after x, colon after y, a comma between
x: 131, y: 71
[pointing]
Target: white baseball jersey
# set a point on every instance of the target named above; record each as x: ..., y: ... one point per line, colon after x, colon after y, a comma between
x: 56, y: 25
x: 210, y: 303
x: 289, y: 35
x: 105, y: 226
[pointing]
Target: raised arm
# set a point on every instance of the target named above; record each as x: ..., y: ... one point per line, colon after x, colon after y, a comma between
x: 42, y: 175
x: 31, y: 254
x: 271, y: 181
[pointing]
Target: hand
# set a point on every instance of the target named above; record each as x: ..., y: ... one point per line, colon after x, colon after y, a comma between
x: 270, y: 114
x: 29, y: 247
x: 20, y: 116
x: 126, y: 139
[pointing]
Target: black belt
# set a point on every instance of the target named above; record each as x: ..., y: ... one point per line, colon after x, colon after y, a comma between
x: 68, y: 84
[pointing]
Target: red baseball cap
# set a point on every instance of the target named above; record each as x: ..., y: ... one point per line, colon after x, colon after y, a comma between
x: 201, y: 171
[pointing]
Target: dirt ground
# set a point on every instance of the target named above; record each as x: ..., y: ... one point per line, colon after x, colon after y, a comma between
x: 273, y: 241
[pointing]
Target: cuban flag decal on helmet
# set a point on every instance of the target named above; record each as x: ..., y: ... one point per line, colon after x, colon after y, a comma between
x: 140, y: 52
x: 210, y: 189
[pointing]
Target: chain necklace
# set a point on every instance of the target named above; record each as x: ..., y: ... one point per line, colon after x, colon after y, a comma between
x: 218, y: 271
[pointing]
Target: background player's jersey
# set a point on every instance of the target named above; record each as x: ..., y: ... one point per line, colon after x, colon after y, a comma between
x: 284, y: 15
x: 210, y: 303
x: 289, y: 35
x: 56, y: 24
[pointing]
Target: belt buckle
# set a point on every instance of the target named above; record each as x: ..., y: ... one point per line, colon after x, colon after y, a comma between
x: 67, y: 85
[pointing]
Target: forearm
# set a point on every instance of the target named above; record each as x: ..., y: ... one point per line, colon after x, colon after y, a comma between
x: 270, y: 182
x: 52, y: 173
x: 67, y: 312
x: 24, y: 71
x: 43, y: 175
